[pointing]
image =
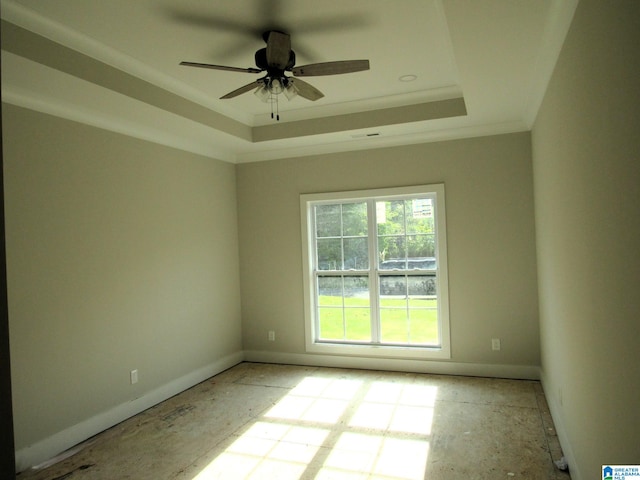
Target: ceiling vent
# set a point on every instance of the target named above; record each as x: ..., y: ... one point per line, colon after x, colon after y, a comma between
x: 365, y: 135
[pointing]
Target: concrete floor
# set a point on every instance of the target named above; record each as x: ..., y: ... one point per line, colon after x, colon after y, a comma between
x: 277, y: 422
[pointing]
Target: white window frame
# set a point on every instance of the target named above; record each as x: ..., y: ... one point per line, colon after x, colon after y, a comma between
x: 443, y: 350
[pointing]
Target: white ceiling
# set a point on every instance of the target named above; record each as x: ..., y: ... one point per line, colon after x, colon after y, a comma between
x: 481, y: 68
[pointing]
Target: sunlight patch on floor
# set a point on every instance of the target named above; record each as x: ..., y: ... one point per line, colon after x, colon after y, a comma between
x: 314, y: 399
x: 267, y: 450
x: 337, y: 429
x: 355, y: 455
x: 397, y: 407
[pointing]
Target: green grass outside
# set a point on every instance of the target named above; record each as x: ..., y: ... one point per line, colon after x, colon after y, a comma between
x: 417, y: 326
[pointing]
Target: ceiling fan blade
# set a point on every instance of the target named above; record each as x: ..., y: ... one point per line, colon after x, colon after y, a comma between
x: 306, y: 90
x: 278, y: 50
x: 331, y: 68
x: 210, y: 22
x: 333, y: 23
x: 220, y: 67
x: 241, y: 90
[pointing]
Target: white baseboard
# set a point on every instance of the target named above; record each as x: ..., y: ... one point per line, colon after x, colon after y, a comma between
x: 558, y: 423
x: 525, y: 372
x: 49, y: 447
x: 60, y: 442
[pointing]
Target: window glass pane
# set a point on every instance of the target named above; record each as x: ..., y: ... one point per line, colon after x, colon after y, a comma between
x: 329, y: 254
x: 331, y: 324
x: 330, y: 291
x: 421, y: 286
x: 356, y: 255
x: 420, y: 248
x: 408, y: 310
x: 430, y: 302
x: 392, y: 219
x: 356, y: 291
x: 392, y: 253
x: 423, y: 313
x: 419, y: 215
x: 406, y: 238
x: 358, y: 324
x: 393, y: 309
x: 424, y: 326
x: 393, y: 325
x: 327, y: 221
x: 344, y: 308
x: 392, y: 286
x: 354, y: 220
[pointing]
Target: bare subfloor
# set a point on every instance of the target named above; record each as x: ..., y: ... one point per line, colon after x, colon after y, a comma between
x: 278, y: 422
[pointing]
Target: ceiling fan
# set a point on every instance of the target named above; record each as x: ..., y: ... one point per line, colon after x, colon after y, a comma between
x: 276, y: 59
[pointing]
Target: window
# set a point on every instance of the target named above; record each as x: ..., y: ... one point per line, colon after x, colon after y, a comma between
x: 375, y: 272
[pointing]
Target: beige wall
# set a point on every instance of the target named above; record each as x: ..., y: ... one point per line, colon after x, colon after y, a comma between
x: 490, y: 233
x: 586, y: 159
x: 121, y: 255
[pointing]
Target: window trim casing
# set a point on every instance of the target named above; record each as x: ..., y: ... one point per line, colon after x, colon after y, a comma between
x: 372, y: 350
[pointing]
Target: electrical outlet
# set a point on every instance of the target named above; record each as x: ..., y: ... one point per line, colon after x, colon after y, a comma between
x: 272, y: 335
x: 134, y: 376
x: 495, y: 344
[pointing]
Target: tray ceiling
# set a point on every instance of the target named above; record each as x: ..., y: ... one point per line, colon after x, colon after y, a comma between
x: 476, y: 68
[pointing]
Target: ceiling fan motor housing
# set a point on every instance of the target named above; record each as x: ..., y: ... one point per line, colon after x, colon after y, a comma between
x: 262, y: 64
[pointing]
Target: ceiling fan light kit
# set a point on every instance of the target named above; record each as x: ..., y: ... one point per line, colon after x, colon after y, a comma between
x: 272, y: 88
x: 276, y: 59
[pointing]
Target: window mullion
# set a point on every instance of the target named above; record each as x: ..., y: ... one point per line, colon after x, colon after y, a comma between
x: 341, y: 240
x: 404, y: 232
x: 374, y: 300
x: 344, y: 314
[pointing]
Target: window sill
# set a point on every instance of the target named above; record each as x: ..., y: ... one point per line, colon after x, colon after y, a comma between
x: 421, y: 353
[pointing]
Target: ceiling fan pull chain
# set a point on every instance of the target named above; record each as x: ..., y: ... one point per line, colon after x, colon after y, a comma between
x: 271, y: 103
